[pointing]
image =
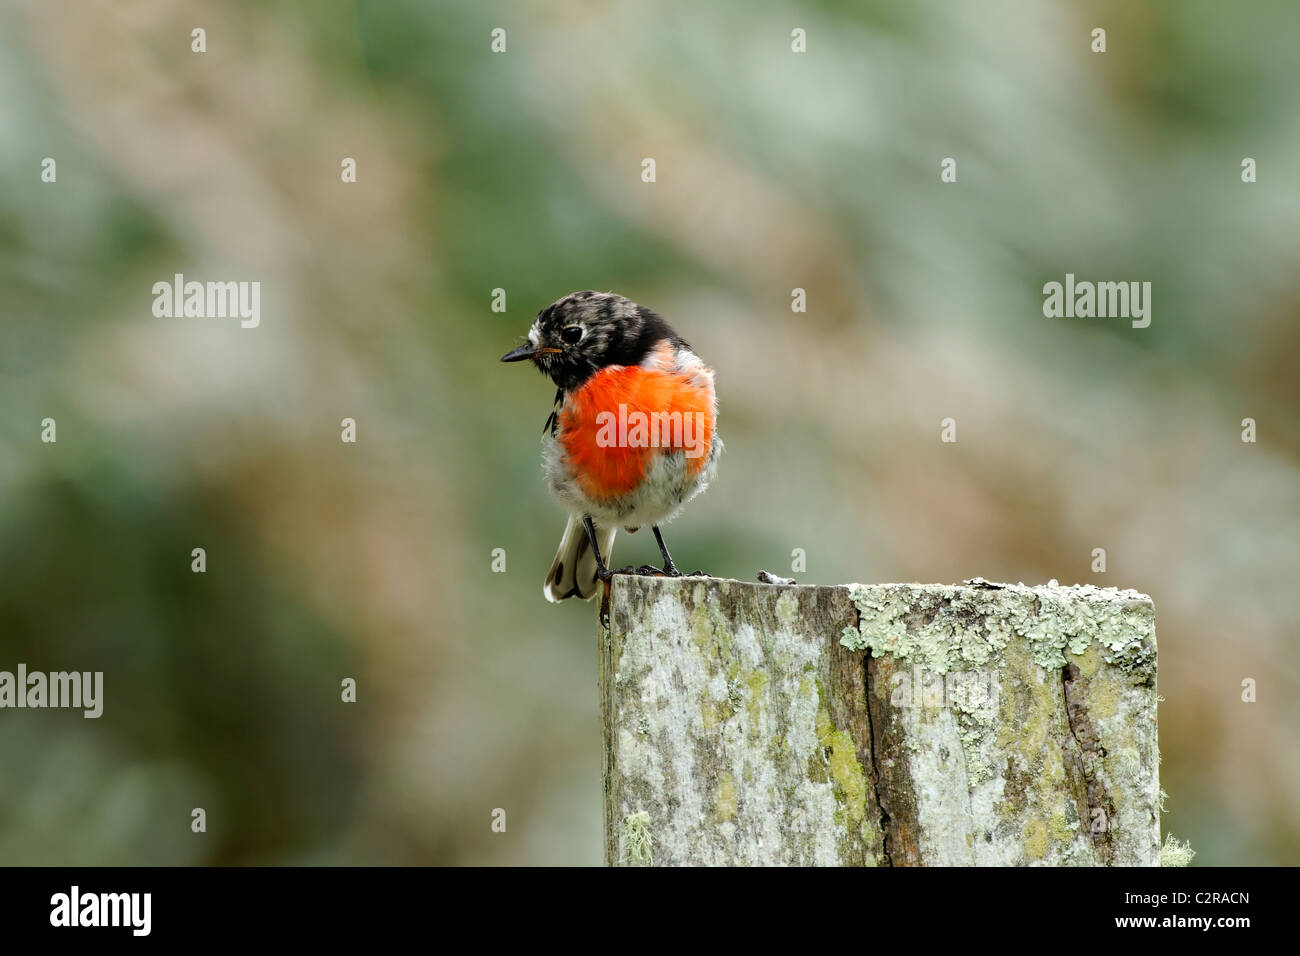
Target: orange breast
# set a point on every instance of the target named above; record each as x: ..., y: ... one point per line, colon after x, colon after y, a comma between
x: 622, y: 416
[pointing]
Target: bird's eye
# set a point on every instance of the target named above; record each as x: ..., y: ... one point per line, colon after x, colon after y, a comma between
x: 571, y: 334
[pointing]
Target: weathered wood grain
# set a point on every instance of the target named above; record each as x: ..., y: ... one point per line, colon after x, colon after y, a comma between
x: 897, y: 725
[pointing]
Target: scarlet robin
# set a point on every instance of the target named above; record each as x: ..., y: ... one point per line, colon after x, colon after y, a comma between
x: 632, y: 435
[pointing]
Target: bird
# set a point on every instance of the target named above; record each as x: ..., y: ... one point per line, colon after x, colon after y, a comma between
x: 632, y: 436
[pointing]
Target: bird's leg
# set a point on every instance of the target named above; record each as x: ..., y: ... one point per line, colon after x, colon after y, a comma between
x: 601, y: 570
x: 602, y: 573
x: 670, y: 569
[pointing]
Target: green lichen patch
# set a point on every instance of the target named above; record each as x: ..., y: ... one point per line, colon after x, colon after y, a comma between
x: 787, y: 609
x: 638, y: 843
x: 1035, y: 839
x: 946, y: 627
x: 1174, y: 853
x: 725, y: 804
x: 850, y: 781
x: 756, y: 681
x: 975, y: 715
x: 735, y: 693
x: 710, y: 634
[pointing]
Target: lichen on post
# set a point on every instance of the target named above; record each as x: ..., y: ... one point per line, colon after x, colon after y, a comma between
x: 878, y: 725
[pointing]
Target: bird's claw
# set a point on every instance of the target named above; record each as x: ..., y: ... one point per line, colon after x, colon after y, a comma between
x: 648, y: 571
x: 607, y: 575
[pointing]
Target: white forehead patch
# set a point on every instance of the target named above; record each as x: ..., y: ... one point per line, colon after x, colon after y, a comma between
x: 534, y: 335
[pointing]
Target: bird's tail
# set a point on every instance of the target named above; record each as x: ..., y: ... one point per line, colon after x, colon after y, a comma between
x: 573, y: 573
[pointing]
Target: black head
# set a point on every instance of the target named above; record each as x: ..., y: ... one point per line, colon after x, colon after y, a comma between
x: 586, y: 331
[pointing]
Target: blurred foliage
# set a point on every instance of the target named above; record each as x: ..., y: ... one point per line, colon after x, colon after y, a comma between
x: 521, y: 171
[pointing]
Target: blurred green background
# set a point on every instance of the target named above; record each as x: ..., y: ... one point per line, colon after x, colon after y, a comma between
x: 521, y: 171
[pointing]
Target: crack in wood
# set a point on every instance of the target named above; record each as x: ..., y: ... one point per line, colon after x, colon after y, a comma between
x: 1090, y: 751
x: 881, y: 813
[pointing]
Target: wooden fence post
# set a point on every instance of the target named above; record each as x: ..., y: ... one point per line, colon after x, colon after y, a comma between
x: 888, y: 725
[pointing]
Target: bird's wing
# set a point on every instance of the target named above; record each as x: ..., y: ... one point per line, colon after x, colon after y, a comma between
x: 553, y: 420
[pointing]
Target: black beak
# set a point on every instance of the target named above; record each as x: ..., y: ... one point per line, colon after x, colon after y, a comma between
x: 527, y: 351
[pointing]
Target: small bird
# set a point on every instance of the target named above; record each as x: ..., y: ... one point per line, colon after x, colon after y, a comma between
x: 632, y: 436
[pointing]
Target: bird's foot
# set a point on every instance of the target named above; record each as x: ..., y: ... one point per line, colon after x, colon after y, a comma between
x: 674, y: 573
x: 649, y: 571
x: 607, y: 574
